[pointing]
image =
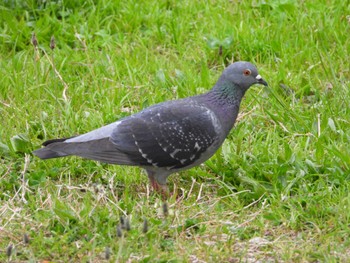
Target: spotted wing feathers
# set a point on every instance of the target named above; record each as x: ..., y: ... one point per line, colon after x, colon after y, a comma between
x: 171, y: 137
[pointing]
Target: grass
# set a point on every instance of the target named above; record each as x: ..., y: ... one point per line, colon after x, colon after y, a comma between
x: 277, y: 191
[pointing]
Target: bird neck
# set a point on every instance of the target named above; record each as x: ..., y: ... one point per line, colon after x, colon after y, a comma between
x: 225, y: 99
x: 227, y: 93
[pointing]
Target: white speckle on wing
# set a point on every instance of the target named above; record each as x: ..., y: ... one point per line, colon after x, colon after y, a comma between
x: 214, y: 120
x: 150, y: 161
x: 165, y: 149
x: 174, y: 152
x: 197, y: 147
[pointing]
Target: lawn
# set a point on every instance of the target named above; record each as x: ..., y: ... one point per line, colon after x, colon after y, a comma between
x: 277, y: 190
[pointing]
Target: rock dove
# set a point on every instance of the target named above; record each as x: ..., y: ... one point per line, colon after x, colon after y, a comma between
x: 167, y: 137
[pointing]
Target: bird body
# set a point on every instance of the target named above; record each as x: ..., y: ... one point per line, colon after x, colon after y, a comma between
x: 166, y: 137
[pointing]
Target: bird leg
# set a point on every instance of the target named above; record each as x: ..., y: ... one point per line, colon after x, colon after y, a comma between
x: 157, y: 186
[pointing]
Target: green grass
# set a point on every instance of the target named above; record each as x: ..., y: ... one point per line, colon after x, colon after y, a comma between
x: 277, y: 191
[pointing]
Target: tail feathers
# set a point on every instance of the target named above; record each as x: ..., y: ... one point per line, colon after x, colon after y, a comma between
x: 47, y: 153
x: 100, y: 150
x: 50, y: 152
x: 46, y: 143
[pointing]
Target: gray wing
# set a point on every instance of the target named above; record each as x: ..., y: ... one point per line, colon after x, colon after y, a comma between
x: 172, y: 135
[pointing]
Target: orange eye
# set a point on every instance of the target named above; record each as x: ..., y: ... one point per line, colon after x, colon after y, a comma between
x: 247, y: 72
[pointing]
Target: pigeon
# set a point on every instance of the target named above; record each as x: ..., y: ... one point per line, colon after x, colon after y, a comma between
x: 168, y: 137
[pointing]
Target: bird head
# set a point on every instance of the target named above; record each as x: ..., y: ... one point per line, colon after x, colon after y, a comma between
x: 243, y: 75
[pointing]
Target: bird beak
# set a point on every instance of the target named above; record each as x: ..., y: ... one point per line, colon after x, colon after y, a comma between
x: 260, y: 80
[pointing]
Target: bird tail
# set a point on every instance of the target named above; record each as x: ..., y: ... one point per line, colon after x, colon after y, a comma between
x: 100, y: 150
x: 47, y: 152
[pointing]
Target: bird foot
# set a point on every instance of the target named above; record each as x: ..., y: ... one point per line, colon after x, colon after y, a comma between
x: 162, y: 189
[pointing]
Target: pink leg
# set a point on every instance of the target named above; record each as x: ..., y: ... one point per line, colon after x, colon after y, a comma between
x: 160, y: 188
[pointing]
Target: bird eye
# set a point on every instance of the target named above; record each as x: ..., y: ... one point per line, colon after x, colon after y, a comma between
x: 247, y: 72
